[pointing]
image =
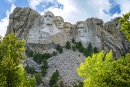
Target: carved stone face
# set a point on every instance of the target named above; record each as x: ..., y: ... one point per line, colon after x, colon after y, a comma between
x: 81, y: 29
x: 59, y: 22
x: 67, y: 27
x: 48, y: 18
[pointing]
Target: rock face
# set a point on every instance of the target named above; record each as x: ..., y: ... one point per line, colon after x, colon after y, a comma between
x: 113, y: 38
x: 21, y: 21
x: 43, y: 33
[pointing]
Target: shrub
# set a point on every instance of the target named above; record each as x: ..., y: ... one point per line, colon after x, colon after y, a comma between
x: 44, y: 71
x: 61, y: 84
x: 67, y: 45
x: 54, y: 78
x: 38, y: 78
x: 54, y: 53
x: 59, y: 48
x: 95, y: 50
x: 73, y: 47
x: 73, y: 40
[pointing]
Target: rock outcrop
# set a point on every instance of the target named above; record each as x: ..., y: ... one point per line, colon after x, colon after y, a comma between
x: 21, y: 21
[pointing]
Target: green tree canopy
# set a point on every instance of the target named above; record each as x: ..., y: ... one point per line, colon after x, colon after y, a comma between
x: 126, y: 25
x: 11, y: 56
x: 107, y: 73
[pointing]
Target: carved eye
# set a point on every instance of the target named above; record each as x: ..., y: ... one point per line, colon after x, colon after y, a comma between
x: 50, y: 16
x: 45, y: 16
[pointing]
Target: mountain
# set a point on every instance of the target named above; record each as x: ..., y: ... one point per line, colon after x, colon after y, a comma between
x: 44, y: 33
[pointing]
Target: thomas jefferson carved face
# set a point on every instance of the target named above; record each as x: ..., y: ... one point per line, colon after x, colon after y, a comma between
x: 59, y: 22
x: 48, y: 18
x: 81, y: 29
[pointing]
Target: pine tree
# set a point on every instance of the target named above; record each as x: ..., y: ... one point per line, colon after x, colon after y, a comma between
x: 67, y: 45
x: 11, y: 56
x: 73, y: 40
x: 38, y: 78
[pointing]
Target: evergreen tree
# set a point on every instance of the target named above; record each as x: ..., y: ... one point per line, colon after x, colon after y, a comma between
x: 95, y: 50
x: 73, y: 40
x: 61, y: 84
x: 38, y: 78
x: 67, y: 45
x: 54, y: 53
x: 11, y: 56
x: 89, y: 49
x: 44, y: 71
x: 54, y: 78
x: 73, y: 47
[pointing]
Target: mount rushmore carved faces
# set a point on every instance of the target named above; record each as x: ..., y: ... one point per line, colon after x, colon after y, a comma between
x: 59, y: 21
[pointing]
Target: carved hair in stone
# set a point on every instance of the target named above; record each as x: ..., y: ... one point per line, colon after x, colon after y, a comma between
x: 59, y: 21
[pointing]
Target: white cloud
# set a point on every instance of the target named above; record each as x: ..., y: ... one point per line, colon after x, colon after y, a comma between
x: 77, y: 10
x: 5, y: 21
x: 80, y: 10
x: 34, y: 3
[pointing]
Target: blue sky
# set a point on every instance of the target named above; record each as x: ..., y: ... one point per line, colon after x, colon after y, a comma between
x: 71, y: 10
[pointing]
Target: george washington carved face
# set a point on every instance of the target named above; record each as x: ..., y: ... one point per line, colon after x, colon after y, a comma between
x: 48, y: 18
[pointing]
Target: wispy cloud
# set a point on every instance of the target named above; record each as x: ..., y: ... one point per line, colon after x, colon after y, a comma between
x: 80, y: 10
x: 34, y: 3
x: 5, y: 21
x: 12, y: 1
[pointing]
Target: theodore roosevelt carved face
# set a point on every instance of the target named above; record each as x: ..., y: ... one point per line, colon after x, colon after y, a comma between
x: 67, y: 27
x: 48, y: 18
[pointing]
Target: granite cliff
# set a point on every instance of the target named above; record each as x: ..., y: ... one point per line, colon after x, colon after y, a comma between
x: 43, y: 33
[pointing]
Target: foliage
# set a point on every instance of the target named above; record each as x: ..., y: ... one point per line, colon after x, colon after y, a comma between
x: 30, y: 70
x: 79, y: 85
x: 54, y: 53
x: 56, y: 85
x: 79, y: 46
x: 126, y: 25
x: 95, y: 50
x: 39, y: 57
x: 44, y: 71
x: 105, y: 73
x: 38, y: 78
x: 44, y: 67
x: 73, y: 47
x: 29, y: 53
x: 67, y: 45
x: 11, y: 56
x: 11, y: 50
x: 45, y: 64
x: 73, y: 40
x: 121, y: 72
x: 59, y: 48
x: 89, y: 49
x: 54, y: 78
x: 61, y: 84
x: 26, y: 82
